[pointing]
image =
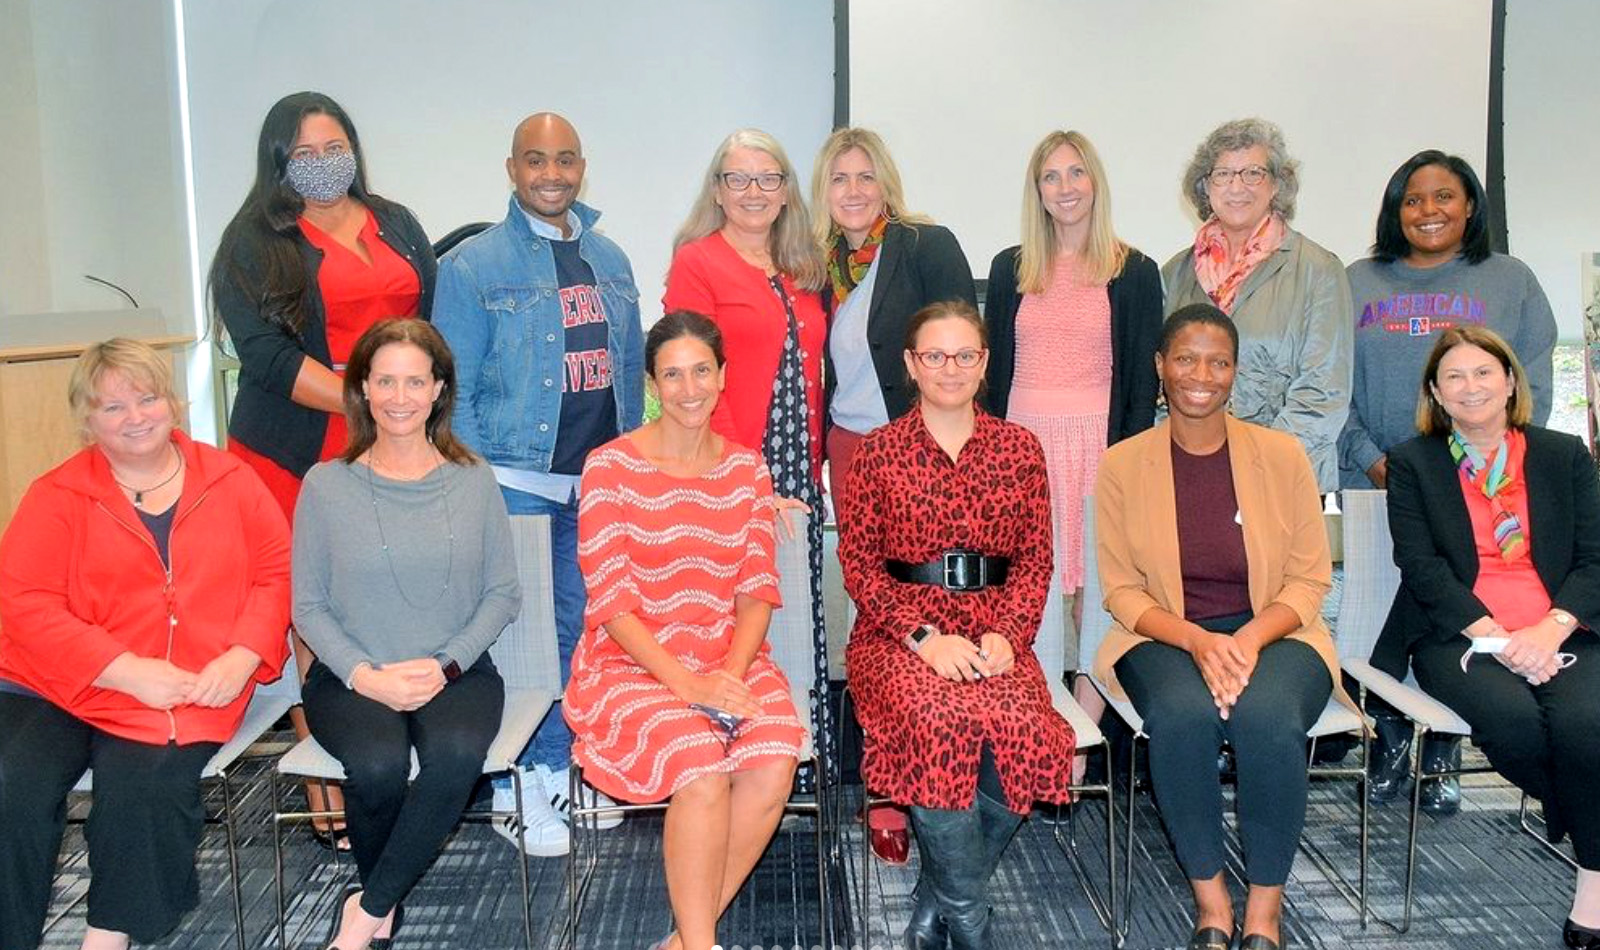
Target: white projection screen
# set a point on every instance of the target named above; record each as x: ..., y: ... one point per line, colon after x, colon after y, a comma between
x: 961, y: 92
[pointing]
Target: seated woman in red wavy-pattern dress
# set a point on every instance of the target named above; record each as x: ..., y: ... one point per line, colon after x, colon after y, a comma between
x: 673, y: 694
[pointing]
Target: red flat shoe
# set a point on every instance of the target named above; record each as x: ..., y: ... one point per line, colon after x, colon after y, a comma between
x: 890, y: 845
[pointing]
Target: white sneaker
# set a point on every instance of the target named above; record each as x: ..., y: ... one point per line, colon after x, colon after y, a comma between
x: 559, y: 783
x: 544, y: 833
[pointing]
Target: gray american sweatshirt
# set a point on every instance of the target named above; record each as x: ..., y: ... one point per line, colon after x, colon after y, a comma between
x: 1400, y: 311
x: 355, y: 601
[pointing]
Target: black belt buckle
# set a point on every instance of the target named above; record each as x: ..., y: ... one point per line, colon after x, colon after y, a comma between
x: 965, y: 570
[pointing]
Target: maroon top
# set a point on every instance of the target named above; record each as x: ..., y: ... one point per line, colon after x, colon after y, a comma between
x: 908, y: 501
x: 1216, y: 579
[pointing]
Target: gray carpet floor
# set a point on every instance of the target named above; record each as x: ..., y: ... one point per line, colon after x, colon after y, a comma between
x: 1481, y: 884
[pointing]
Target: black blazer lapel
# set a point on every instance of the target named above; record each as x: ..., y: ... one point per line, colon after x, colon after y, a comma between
x: 1449, y: 510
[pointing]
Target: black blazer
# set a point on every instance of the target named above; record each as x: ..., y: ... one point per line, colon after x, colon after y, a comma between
x: 918, y: 265
x: 1136, y: 318
x: 1438, y: 557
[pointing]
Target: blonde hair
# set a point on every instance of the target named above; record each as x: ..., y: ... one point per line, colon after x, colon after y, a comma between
x: 143, y: 366
x: 894, y: 195
x: 793, y: 251
x: 1431, y: 417
x: 1105, y: 254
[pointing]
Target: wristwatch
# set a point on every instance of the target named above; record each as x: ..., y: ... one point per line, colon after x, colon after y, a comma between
x: 452, y: 669
x: 916, y: 638
x: 1563, y: 619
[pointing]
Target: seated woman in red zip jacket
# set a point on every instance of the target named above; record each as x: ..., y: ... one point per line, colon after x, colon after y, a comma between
x: 144, y: 592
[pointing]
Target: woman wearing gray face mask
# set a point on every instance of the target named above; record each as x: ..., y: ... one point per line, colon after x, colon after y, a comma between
x: 308, y: 263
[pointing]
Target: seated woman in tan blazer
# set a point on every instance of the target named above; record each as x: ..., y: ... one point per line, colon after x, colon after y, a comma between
x: 1215, y: 562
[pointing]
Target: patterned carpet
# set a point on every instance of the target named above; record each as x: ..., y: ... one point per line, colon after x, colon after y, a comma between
x: 1481, y: 884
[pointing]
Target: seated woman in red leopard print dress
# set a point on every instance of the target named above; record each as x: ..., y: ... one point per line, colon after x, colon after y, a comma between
x: 945, y: 539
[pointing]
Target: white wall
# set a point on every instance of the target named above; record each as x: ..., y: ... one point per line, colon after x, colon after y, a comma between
x: 98, y: 187
x: 435, y: 90
x: 1552, y: 104
x: 963, y: 91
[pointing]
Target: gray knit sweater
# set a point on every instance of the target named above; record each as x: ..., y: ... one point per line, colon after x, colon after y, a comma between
x: 354, y: 600
x: 1400, y: 311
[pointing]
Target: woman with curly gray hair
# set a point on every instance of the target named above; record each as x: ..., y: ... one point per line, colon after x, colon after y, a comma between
x: 1287, y: 294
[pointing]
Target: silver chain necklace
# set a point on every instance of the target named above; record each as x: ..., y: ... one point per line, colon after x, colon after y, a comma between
x: 388, y: 556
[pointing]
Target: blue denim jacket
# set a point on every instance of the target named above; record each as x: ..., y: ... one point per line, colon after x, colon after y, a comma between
x: 497, y: 304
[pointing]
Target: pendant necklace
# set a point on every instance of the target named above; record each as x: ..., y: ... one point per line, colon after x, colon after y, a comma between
x: 139, y: 493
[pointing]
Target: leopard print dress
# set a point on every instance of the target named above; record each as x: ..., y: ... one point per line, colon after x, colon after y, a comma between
x: 909, y: 502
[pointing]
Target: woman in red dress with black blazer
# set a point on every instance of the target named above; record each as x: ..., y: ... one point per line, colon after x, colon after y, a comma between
x: 945, y: 540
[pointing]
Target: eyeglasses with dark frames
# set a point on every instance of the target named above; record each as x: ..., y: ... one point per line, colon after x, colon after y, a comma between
x: 739, y: 181
x: 1251, y: 175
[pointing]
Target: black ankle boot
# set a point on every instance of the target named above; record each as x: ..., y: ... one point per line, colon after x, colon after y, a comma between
x: 1389, y: 762
x: 1441, y: 797
x: 927, y: 930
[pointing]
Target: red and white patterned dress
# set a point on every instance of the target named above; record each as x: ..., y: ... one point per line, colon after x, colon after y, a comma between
x: 674, y: 552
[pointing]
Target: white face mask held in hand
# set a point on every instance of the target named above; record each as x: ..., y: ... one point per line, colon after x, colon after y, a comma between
x: 322, y: 178
x: 1496, y: 644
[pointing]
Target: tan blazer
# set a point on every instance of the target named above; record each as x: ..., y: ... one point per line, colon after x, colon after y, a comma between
x: 1285, y: 541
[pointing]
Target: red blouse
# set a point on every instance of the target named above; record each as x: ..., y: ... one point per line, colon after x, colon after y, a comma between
x: 709, y: 277
x: 1511, y: 589
x: 355, y: 295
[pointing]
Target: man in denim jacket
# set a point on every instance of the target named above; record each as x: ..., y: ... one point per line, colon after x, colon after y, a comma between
x: 543, y: 317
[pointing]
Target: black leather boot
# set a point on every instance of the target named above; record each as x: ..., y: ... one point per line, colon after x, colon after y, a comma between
x: 1441, y: 797
x: 927, y: 930
x: 952, y: 846
x: 1389, y: 762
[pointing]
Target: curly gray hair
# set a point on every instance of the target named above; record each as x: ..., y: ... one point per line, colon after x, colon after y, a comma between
x: 1235, y: 135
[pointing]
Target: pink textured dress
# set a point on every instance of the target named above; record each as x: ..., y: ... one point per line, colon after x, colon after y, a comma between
x: 1061, y: 393
x: 675, y: 553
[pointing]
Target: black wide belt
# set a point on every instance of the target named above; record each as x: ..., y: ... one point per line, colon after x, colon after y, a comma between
x: 957, y: 570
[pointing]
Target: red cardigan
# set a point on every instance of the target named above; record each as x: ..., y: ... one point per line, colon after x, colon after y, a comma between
x: 81, y: 583
x: 709, y: 277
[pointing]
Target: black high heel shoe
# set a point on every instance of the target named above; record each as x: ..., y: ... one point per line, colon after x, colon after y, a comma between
x: 384, y: 943
x: 338, y: 914
x: 1580, y: 938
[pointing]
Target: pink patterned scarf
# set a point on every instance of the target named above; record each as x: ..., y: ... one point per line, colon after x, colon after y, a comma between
x: 1222, y: 281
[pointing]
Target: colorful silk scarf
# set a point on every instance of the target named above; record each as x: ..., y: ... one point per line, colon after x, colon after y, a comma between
x: 1490, y: 477
x: 849, y: 268
x: 1220, y: 280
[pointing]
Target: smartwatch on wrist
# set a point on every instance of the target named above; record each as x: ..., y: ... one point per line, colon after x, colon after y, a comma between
x: 452, y: 669
x: 916, y: 638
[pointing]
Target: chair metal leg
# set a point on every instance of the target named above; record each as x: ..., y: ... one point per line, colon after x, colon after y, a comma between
x: 277, y: 856
x: 1543, y: 839
x: 1419, y: 732
x: 522, y: 861
x: 1361, y: 789
x: 233, y: 858
x: 1127, y: 866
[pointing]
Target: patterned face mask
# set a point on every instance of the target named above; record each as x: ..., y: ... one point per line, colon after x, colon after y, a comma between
x: 322, y: 177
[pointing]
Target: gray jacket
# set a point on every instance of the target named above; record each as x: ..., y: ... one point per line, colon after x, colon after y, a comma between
x: 1296, y: 344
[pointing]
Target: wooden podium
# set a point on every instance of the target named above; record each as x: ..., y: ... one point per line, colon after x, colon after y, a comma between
x: 37, y: 353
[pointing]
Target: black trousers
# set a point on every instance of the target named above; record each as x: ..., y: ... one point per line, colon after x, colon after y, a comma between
x: 1544, y: 739
x: 144, y: 824
x: 1267, y: 730
x: 397, y: 825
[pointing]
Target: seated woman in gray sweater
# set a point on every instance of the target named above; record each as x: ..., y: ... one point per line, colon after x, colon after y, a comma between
x: 403, y: 576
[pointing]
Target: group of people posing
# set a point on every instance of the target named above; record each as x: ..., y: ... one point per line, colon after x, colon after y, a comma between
x: 394, y: 409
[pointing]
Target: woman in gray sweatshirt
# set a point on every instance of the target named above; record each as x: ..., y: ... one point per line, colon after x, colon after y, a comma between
x: 403, y: 576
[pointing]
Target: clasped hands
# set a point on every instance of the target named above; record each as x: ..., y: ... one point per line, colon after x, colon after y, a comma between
x: 161, y: 684
x: 718, y: 689
x: 1531, y: 652
x: 959, y: 659
x: 404, y: 685
x: 1226, y: 663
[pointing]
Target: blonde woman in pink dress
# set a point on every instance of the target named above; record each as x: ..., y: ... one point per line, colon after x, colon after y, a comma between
x: 673, y: 694
x: 1074, y: 319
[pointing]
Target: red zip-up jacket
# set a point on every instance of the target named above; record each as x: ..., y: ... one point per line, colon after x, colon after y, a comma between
x: 81, y: 582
